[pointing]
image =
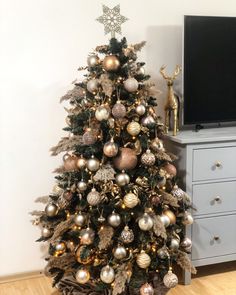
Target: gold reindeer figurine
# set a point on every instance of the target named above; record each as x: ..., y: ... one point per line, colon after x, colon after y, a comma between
x: 172, y: 103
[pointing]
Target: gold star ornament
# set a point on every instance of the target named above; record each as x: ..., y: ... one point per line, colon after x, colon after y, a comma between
x: 112, y: 20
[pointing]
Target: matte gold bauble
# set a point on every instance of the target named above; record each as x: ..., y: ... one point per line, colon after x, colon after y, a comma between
x: 118, y: 110
x: 145, y: 222
x: 110, y: 149
x: 107, y: 274
x: 131, y: 200
x: 170, y: 280
x: 82, y: 185
x: 60, y: 248
x: 165, y: 220
x: 87, y: 236
x: 171, y: 216
x: 140, y: 109
x: 148, y: 158
x: 126, y: 159
x: 134, y: 128
x: 89, y: 137
x: 93, y: 164
x: 111, y: 63
x: 94, y: 197
x: 127, y: 235
x: 131, y: 84
x: 81, y: 163
x: 170, y: 169
x: 70, y: 163
x: 122, y: 179
x: 148, y: 121
x: 102, y: 113
x: 143, y: 260
x: 51, y: 210
x: 93, y: 60
x: 46, y: 232
x: 92, y: 85
x: 82, y: 258
x: 79, y: 219
x: 187, y: 218
x: 146, y: 289
x: 82, y: 276
x: 120, y: 252
x: 114, y: 219
x: 157, y: 145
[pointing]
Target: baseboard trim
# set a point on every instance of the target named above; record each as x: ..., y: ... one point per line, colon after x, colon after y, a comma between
x: 21, y: 276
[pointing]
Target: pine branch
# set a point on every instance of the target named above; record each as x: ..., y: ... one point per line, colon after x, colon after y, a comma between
x: 105, y: 235
x: 66, y: 144
x: 73, y: 94
x: 43, y: 199
x: 139, y: 46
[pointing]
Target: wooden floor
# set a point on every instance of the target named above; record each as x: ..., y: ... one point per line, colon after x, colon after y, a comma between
x: 211, y: 280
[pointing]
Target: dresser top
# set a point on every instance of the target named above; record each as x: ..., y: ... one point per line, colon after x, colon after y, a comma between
x: 204, y: 135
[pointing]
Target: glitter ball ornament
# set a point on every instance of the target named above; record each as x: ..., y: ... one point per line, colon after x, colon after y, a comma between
x: 51, y: 209
x: 60, y: 248
x: 70, y: 163
x: 114, y: 219
x: 82, y: 276
x: 131, y: 84
x: 186, y: 244
x: 102, y: 113
x: 87, y: 236
x: 177, y: 192
x: 118, y: 110
x: 92, y: 85
x: 126, y: 159
x: 89, y: 137
x: 93, y: 164
x: 157, y: 145
x: 94, y: 197
x: 81, y: 163
x: 165, y: 220
x: 140, y: 109
x: 111, y: 63
x: 120, y: 252
x: 122, y: 179
x: 110, y: 148
x: 174, y: 244
x: 148, y: 158
x: 107, y: 274
x: 187, y: 218
x: 148, y: 121
x: 46, y: 232
x: 79, y: 219
x: 171, y: 216
x: 145, y: 222
x: 131, y: 200
x: 170, y: 280
x: 127, y: 235
x: 146, y: 289
x: 82, y: 185
x: 143, y: 260
x: 93, y: 60
x: 134, y: 128
x: 170, y: 169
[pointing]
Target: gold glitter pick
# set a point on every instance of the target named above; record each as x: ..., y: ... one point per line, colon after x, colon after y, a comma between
x: 112, y: 20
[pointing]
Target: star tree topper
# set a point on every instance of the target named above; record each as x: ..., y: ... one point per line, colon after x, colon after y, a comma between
x: 112, y: 20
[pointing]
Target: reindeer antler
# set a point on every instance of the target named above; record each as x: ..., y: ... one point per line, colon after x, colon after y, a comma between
x: 177, y: 71
x: 163, y: 73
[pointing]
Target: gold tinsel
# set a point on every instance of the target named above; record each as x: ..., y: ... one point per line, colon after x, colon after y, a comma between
x: 105, y: 235
x: 185, y: 262
x: 123, y: 275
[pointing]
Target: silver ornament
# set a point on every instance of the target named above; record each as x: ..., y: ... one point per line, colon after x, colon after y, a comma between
x: 82, y: 276
x: 131, y: 200
x: 60, y: 248
x: 87, y: 236
x: 146, y: 289
x: 51, y: 210
x: 82, y: 185
x: 89, y: 137
x: 186, y: 244
x: 170, y: 280
x: 187, y: 218
x: 79, y: 219
x: 143, y: 260
x: 131, y: 84
x: 165, y: 220
x: 122, y: 179
x: 93, y: 60
x: 120, y: 252
x: 118, y: 110
x: 101, y: 219
x: 93, y: 164
x: 140, y: 71
x: 127, y: 235
x: 114, y: 219
x: 102, y: 113
x: 81, y: 163
x: 110, y: 148
x: 46, y: 232
x: 94, y: 197
x: 148, y: 158
x: 145, y: 222
x: 140, y: 109
x: 162, y: 253
x: 92, y: 85
x: 148, y: 121
x: 174, y: 244
x: 107, y: 274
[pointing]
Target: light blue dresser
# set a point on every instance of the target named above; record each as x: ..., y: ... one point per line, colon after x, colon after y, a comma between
x: 207, y: 167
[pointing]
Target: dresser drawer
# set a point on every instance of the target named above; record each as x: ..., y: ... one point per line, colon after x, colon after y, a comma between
x: 215, y: 236
x: 214, y: 163
x: 214, y: 197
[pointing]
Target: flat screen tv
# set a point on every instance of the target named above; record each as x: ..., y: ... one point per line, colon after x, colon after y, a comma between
x: 209, y: 69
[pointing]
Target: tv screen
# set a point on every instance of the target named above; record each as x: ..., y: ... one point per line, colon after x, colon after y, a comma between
x: 209, y: 69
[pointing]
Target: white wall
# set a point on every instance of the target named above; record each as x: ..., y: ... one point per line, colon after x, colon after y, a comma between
x: 42, y: 44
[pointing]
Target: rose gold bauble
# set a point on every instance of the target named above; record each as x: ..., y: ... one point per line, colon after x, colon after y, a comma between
x: 111, y: 63
x: 110, y: 149
x: 118, y: 110
x: 70, y: 163
x: 146, y: 289
x: 170, y: 169
x: 171, y: 216
x: 126, y: 159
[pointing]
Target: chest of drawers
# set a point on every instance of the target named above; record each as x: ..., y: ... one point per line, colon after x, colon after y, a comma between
x: 207, y: 168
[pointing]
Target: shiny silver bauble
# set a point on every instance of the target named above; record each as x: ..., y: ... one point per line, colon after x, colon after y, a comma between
x: 122, y: 179
x: 51, y: 210
x: 146, y: 289
x: 186, y: 244
x: 82, y: 185
x: 107, y: 274
x: 60, y: 247
x: 165, y: 220
x: 114, y: 219
x: 120, y: 252
x: 102, y: 113
x: 187, y: 218
x: 82, y: 276
x: 81, y: 163
x: 110, y: 149
x: 93, y: 60
x: 174, y: 244
x: 145, y: 222
x: 87, y: 236
x: 140, y: 71
x: 140, y: 109
x: 46, y: 232
x: 93, y: 164
x: 92, y: 85
x: 148, y: 121
x: 79, y: 219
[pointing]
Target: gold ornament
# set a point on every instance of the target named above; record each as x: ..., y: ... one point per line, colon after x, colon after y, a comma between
x: 89, y: 137
x: 79, y: 219
x: 87, y: 236
x: 127, y: 235
x: 120, y: 252
x: 111, y: 63
x: 126, y: 159
x: 94, y: 197
x: 170, y: 280
x: 107, y: 274
x: 170, y: 170
x: 80, y: 257
x: 122, y: 179
x: 145, y: 222
x: 140, y: 109
x: 51, y: 210
x: 92, y: 85
x: 148, y: 158
x: 60, y: 248
x: 93, y: 164
x: 81, y: 163
x: 102, y: 113
x: 157, y: 145
x: 131, y: 200
x: 131, y: 85
x: 46, y: 232
x: 171, y: 216
x: 146, y: 289
x: 114, y: 219
x: 93, y: 60
x: 143, y: 259
x: 148, y: 121
x: 82, y: 185
x: 70, y: 163
x: 110, y: 148
x: 118, y: 110
x: 187, y: 218
x: 82, y: 276
x: 134, y: 128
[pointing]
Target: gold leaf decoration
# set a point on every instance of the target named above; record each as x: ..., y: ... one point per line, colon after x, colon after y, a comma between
x: 62, y: 228
x: 43, y: 199
x: 185, y: 262
x: 66, y: 144
x: 139, y: 46
x: 105, y: 235
x: 105, y: 173
x: 163, y: 156
x: 158, y: 227
x: 123, y: 275
x: 76, y: 92
x: 168, y: 199
x: 107, y: 85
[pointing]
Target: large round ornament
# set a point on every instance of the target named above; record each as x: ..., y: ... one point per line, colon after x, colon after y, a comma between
x: 51, y: 209
x: 94, y: 197
x: 157, y: 145
x: 114, y: 219
x: 134, y: 128
x: 79, y: 219
x: 126, y: 159
x: 140, y: 109
x: 165, y: 220
x: 148, y: 121
x: 145, y: 222
x: 60, y: 248
x: 107, y: 274
x: 170, y: 280
x: 93, y: 164
x: 82, y: 276
x: 46, y: 232
x: 92, y: 85
x: 89, y: 137
x: 171, y: 216
x: 83, y: 259
x: 162, y: 253
x: 118, y: 110
x: 110, y: 148
x: 131, y: 84
x: 87, y: 236
x: 143, y: 260
x: 102, y: 113
x: 70, y: 163
x: 170, y: 169
x: 93, y: 60
x: 131, y: 200
x: 186, y: 244
x: 187, y: 218
x: 82, y: 185
x: 81, y: 163
x: 127, y: 235
x: 148, y: 158
x: 122, y: 179
x: 111, y: 63
x: 146, y: 289
x: 174, y: 244
x: 120, y: 252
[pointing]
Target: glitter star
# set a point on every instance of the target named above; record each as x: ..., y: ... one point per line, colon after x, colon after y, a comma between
x: 112, y: 20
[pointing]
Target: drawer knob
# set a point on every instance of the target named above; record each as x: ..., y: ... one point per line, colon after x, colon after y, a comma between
x: 216, y: 238
x: 217, y: 199
x: 218, y: 164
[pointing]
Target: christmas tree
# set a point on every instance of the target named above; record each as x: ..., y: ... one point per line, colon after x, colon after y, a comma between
x: 115, y: 220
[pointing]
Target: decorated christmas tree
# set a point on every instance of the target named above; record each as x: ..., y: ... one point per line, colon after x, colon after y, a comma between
x: 115, y: 219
